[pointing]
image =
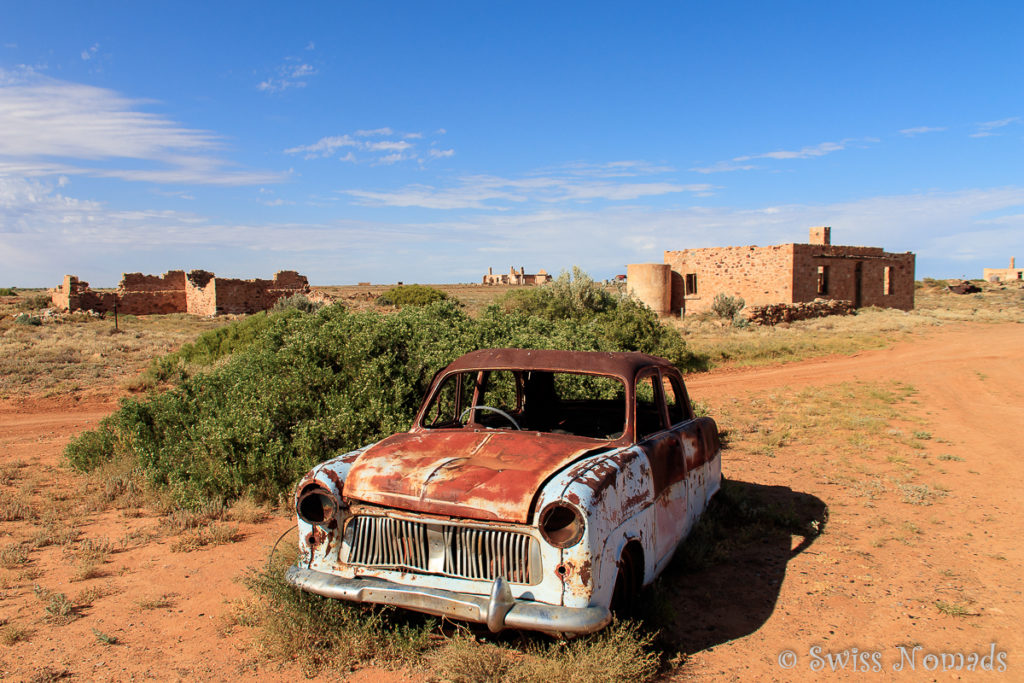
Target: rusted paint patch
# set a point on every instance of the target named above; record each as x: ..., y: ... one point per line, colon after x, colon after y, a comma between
x: 477, y: 475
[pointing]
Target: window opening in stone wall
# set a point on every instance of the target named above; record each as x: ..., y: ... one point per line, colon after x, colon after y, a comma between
x: 822, y: 279
x: 691, y: 284
x: 887, y: 281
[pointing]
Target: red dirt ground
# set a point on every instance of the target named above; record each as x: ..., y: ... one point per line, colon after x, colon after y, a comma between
x: 839, y: 593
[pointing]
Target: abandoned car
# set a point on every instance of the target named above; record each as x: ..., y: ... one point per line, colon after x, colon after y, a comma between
x: 535, y: 490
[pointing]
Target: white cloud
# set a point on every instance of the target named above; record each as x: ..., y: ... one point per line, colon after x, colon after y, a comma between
x: 921, y: 130
x: 481, y: 191
x: 809, y: 152
x: 376, y: 132
x: 89, y: 53
x: 441, y: 153
x: 324, y: 147
x: 989, y: 128
x: 293, y: 73
x: 55, y: 127
x: 377, y: 146
x: 723, y: 167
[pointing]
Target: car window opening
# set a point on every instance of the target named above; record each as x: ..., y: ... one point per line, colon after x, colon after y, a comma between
x: 577, y: 404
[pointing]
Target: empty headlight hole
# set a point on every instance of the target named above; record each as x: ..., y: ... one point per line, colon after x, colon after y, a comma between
x: 561, y: 525
x: 316, y: 506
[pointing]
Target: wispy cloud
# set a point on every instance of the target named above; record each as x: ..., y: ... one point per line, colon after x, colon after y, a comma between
x: 493, y: 192
x: 989, y: 128
x: 90, y: 52
x: 809, y: 152
x: 293, y: 73
x: 54, y: 127
x: 378, y: 146
x: 921, y: 130
x: 724, y: 167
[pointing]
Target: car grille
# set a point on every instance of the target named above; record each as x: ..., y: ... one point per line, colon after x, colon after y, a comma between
x: 437, y: 548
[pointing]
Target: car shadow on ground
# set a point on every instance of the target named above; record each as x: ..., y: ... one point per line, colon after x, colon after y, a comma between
x: 724, y: 581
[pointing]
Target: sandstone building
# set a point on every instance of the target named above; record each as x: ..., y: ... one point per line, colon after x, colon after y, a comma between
x: 199, y: 292
x: 689, y: 280
x: 516, y: 278
x: 1003, y: 274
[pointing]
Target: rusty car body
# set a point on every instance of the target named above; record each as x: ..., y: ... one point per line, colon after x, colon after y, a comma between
x: 535, y: 489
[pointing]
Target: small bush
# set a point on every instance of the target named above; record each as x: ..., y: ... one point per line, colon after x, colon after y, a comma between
x: 411, y: 295
x: 727, y: 307
x: 299, y: 302
x: 11, y: 634
x: 35, y: 302
x: 26, y: 319
x: 8, y: 291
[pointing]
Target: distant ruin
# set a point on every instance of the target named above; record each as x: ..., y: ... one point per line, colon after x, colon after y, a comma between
x: 512, y: 277
x: 1003, y: 274
x: 689, y: 280
x: 199, y: 292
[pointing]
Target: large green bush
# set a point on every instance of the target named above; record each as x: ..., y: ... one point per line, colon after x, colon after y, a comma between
x: 298, y: 388
x: 411, y: 295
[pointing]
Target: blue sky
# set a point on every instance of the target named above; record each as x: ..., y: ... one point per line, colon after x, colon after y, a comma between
x: 424, y: 142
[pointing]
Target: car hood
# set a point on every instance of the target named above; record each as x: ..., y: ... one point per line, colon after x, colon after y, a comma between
x: 490, y: 475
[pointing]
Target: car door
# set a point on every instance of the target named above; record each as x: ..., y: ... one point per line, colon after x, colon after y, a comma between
x: 668, y: 468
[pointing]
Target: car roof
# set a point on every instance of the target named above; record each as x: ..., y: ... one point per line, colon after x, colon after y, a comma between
x: 617, y: 364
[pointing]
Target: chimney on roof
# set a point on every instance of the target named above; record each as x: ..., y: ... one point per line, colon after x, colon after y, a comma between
x: 821, y: 235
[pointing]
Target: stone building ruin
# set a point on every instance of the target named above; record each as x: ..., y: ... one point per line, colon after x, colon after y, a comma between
x: 513, y: 277
x: 689, y: 280
x: 1003, y: 274
x: 199, y: 292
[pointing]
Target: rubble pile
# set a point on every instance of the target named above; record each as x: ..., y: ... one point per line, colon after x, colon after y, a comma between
x: 773, y: 314
x: 963, y: 287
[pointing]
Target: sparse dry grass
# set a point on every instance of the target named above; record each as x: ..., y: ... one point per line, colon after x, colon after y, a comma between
x: 83, y: 352
x: 13, y: 556
x: 159, y: 602
x: 214, y: 534
x: 11, y: 634
x: 870, y: 328
x: 325, y: 635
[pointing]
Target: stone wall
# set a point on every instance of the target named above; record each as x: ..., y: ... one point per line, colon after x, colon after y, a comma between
x: 74, y: 295
x: 1004, y: 274
x: 867, y: 276
x: 198, y: 293
x: 761, y: 275
x: 773, y: 314
x: 140, y: 294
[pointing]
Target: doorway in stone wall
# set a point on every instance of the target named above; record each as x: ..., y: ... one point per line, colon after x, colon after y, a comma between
x: 857, y: 280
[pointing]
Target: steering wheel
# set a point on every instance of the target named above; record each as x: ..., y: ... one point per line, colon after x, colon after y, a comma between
x: 499, y: 411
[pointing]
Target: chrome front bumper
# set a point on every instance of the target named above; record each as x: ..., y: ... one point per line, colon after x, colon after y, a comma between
x: 499, y: 610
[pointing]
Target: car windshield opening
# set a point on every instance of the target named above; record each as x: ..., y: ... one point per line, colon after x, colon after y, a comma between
x: 578, y: 404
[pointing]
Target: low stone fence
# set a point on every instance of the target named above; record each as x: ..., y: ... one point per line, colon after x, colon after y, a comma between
x: 773, y: 314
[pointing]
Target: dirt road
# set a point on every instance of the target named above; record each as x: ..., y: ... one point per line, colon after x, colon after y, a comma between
x: 842, y: 591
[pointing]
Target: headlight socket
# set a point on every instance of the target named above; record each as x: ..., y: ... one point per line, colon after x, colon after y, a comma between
x: 561, y: 525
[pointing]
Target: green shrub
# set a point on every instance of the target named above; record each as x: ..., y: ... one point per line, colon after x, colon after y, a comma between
x: 299, y: 302
x: 8, y: 291
x: 26, y: 319
x: 411, y: 295
x: 35, y: 302
x: 725, y: 306
x: 300, y: 388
